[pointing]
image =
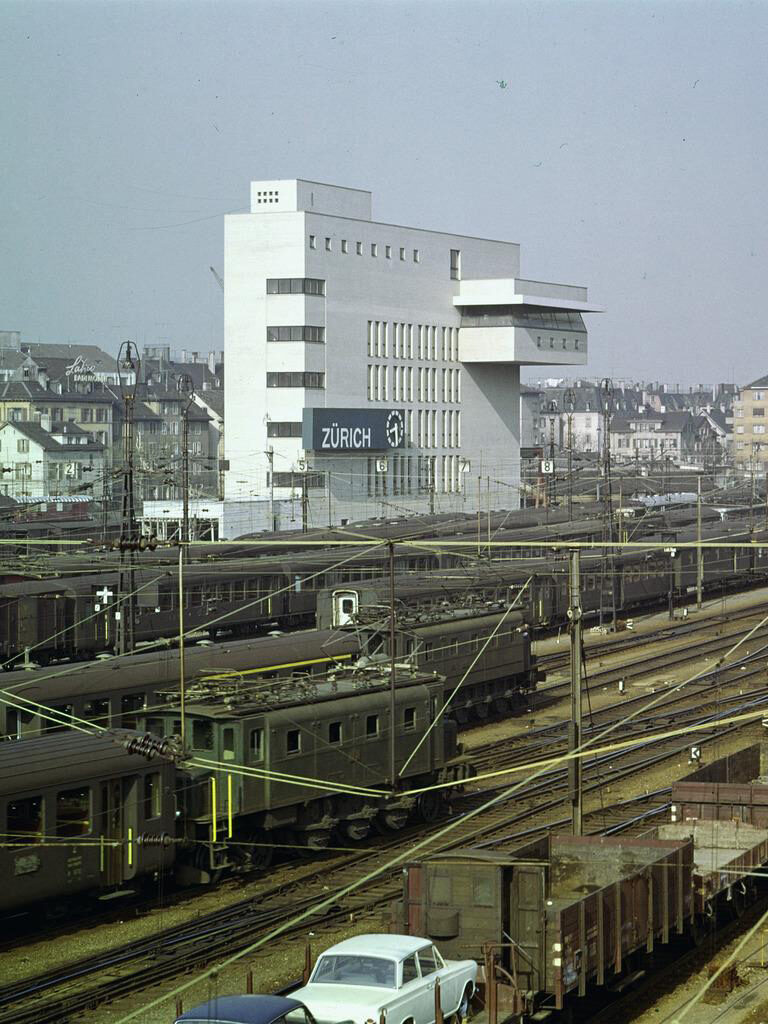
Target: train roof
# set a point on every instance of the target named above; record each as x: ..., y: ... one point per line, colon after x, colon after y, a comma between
x: 161, y: 667
x: 65, y: 758
x: 240, y: 702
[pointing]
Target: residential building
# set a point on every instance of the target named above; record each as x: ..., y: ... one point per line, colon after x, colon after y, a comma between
x: 750, y: 430
x: 374, y: 365
x: 651, y: 437
x: 36, y: 463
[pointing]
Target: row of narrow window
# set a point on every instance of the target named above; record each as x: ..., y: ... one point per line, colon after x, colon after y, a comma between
x: 412, y: 341
x: 577, y: 347
x: 407, y: 474
x: 375, y: 249
x: 402, y: 390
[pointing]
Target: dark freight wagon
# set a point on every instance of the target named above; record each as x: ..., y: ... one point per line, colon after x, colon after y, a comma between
x: 558, y: 914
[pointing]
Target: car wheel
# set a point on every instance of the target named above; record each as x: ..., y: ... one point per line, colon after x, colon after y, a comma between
x: 462, y: 1011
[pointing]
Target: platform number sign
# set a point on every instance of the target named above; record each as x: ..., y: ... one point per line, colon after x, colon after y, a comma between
x: 547, y: 466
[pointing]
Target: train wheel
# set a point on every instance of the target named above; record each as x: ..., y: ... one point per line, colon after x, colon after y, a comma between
x: 392, y: 821
x: 431, y: 805
x: 261, y: 851
x: 356, y: 830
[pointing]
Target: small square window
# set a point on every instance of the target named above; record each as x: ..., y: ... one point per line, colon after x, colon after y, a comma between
x: 327, y: 245
x: 409, y: 719
x: 359, y: 248
x: 344, y: 245
x: 416, y: 256
x: 312, y: 242
x: 402, y: 253
x: 374, y: 249
x: 293, y: 741
x: 372, y: 725
x: 334, y: 732
x: 388, y: 251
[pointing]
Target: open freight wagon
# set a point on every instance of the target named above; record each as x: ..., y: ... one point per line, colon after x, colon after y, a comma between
x: 554, y: 916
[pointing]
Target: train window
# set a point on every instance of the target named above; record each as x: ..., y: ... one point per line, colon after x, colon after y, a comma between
x: 73, y: 808
x: 166, y: 600
x: 97, y: 711
x: 25, y: 819
x: 428, y: 651
x: 409, y: 719
x: 202, y: 734
x: 225, y: 592
x: 482, y: 892
x: 334, y: 732
x: 256, y: 744
x: 64, y: 711
x: 18, y: 724
x: 293, y: 741
x: 196, y: 596
x: 238, y: 590
x: 156, y: 726
x: 228, y: 744
x: 130, y: 703
x: 372, y: 725
x: 152, y: 796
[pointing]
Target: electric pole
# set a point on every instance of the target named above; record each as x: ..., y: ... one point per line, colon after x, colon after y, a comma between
x: 128, y: 371
x: 574, y: 726
x: 699, y: 552
x: 392, y: 670
x: 186, y: 389
x: 569, y: 401
x: 608, y: 561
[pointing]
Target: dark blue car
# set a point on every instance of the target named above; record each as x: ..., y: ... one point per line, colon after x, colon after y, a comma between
x: 248, y: 1010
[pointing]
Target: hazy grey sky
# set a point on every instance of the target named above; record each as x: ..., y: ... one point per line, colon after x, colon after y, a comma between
x: 627, y: 152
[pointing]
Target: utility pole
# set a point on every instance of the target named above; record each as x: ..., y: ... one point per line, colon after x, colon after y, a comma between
x: 569, y: 400
x: 304, y: 503
x: 185, y: 387
x: 551, y: 482
x: 128, y: 366
x: 574, y: 726
x: 699, y: 552
x: 607, y: 561
x: 270, y: 453
x: 392, y: 670
x: 182, y: 680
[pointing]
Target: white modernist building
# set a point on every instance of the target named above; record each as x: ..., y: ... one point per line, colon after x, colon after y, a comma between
x: 373, y: 368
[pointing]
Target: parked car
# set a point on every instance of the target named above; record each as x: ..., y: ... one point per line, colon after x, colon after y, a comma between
x: 248, y: 1010
x: 362, y: 977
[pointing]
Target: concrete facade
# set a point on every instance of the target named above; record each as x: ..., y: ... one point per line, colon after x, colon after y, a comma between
x: 326, y: 308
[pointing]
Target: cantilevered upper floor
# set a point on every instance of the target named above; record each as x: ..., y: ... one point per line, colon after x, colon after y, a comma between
x: 510, y: 320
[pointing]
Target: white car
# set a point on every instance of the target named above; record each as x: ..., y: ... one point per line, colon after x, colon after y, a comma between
x: 361, y: 978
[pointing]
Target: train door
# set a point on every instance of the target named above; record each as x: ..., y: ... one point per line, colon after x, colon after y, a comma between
x: 114, y: 834
x: 526, y: 904
x: 345, y: 604
x: 118, y: 805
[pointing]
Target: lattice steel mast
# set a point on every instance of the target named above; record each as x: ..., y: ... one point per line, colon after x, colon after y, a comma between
x: 128, y: 372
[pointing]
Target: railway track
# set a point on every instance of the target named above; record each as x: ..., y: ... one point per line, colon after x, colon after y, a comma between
x: 121, y: 972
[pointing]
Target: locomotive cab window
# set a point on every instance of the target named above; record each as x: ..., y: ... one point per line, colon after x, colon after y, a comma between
x: 25, y: 819
x: 152, y: 796
x: 228, y: 743
x: 73, y: 809
x: 334, y: 732
x: 372, y: 725
x: 409, y: 719
x: 19, y: 724
x: 202, y: 734
x: 293, y: 741
x: 256, y: 745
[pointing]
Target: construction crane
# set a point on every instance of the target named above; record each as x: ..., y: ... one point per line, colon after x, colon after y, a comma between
x: 219, y: 279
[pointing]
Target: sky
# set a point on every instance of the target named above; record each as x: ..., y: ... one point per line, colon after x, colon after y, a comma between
x: 623, y: 145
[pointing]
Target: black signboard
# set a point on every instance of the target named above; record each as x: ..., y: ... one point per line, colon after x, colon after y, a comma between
x: 353, y: 430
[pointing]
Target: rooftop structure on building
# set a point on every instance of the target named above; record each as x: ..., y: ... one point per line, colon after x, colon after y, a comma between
x: 376, y: 367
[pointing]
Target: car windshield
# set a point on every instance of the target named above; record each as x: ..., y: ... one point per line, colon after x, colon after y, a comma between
x: 338, y: 969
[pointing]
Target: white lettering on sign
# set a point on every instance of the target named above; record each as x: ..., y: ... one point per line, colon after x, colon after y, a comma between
x: 336, y: 437
x: 80, y: 369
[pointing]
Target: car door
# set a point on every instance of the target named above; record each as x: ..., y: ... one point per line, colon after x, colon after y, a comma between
x: 416, y: 999
x: 433, y: 967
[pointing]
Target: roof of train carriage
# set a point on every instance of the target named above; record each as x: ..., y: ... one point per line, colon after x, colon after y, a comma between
x: 66, y: 758
x: 214, y: 702
x: 427, y: 626
x: 451, y: 582
x: 161, y: 667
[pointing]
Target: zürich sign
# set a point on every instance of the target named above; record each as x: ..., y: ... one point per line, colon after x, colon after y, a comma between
x: 353, y: 430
